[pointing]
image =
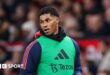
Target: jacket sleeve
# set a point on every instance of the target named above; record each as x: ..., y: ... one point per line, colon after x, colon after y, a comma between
x: 31, y: 59
x: 78, y: 69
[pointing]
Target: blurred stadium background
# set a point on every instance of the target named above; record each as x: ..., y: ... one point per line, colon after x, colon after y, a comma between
x: 87, y: 21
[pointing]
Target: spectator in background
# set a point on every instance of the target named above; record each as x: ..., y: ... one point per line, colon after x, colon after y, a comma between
x: 105, y: 62
x: 8, y: 32
x: 14, y: 34
x: 19, y: 15
x: 103, y: 46
x: 85, y: 68
x: 89, y: 5
x: 29, y: 27
x: 103, y: 73
x: 9, y: 6
x: 71, y: 27
x: 95, y: 27
x: 77, y: 12
x: 3, y: 57
x: 91, y: 59
x: 106, y: 4
x: 3, y: 54
x: 65, y: 4
x: 107, y: 19
x: 2, y: 13
x: 41, y: 3
x: 18, y: 18
x: 49, y: 2
x: 28, y: 31
x: 31, y: 16
x: 4, y: 30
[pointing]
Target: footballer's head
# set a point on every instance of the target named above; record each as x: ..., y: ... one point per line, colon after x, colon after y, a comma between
x: 48, y: 20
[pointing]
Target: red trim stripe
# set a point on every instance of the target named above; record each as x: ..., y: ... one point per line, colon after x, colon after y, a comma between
x: 25, y: 57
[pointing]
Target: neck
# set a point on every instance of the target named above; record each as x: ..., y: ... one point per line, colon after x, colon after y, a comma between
x: 58, y: 35
x: 57, y: 30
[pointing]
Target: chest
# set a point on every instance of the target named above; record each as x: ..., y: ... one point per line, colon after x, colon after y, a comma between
x: 56, y: 51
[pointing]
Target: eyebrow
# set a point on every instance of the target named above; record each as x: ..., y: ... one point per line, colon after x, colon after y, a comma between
x: 40, y: 21
x: 47, y: 19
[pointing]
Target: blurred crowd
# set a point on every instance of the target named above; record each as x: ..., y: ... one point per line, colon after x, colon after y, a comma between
x: 87, y: 21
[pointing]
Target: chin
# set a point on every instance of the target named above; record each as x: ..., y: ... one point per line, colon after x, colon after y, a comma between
x: 48, y: 34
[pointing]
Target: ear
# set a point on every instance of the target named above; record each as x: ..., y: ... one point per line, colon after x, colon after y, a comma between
x: 58, y: 20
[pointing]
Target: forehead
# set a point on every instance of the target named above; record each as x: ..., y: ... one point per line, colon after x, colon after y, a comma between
x: 93, y: 17
x: 44, y: 16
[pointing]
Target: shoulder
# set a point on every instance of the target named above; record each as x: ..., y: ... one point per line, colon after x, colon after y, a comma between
x: 32, y: 52
x: 73, y: 40
x: 75, y: 45
x: 33, y: 47
x: 32, y: 44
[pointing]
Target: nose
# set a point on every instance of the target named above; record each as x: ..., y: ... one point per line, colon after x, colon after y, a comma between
x: 45, y: 25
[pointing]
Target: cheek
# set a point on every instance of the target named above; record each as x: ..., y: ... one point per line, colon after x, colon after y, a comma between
x: 41, y: 26
x: 54, y: 25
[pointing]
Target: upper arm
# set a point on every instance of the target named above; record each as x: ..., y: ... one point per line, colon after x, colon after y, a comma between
x: 78, y: 69
x: 31, y: 59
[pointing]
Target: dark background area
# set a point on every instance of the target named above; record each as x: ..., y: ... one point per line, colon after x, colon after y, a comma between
x: 86, y: 21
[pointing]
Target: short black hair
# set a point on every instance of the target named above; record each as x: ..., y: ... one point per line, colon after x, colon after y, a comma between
x: 45, y: 10
x: 48, y: 9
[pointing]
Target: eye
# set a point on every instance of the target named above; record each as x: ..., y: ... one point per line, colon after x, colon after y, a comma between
x: 41, y: 21
x: 47, y: 20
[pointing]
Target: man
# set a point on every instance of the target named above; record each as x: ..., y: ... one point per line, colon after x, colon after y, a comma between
x: 53, y: 53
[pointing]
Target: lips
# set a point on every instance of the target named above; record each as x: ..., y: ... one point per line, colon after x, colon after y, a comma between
x: 46, y: 29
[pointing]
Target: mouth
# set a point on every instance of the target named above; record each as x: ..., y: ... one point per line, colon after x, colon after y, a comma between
x: 46, y: 31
